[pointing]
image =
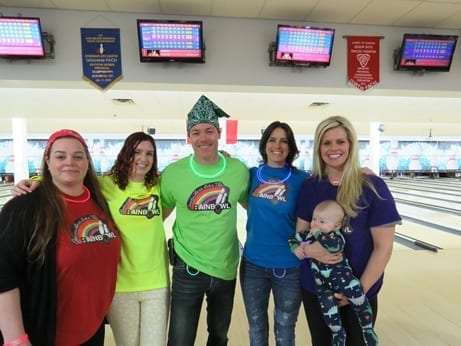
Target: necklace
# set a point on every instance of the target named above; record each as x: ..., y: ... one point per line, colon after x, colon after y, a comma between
x: 335, y: 182
x: 261, y: 179
x: 208, y: 176
x: 84, y: 197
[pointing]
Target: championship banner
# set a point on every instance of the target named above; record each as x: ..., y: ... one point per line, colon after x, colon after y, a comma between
x: 101, y: 57
x: 363, y: 61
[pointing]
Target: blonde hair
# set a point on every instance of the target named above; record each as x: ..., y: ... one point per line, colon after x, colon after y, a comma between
x: 353, y: 179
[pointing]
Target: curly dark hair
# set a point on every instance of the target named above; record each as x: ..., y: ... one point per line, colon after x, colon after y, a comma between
x: 122, y: 166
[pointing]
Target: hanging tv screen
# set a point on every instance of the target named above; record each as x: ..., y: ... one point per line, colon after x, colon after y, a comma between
x: 21, y: 38
x: 427, y: 52
x: 304, y: 45
x: 170, y: 40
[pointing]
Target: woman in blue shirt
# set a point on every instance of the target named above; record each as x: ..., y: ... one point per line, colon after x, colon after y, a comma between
x: 268, y: 264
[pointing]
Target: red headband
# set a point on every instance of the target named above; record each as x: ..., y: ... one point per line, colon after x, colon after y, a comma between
x: 61, y: 134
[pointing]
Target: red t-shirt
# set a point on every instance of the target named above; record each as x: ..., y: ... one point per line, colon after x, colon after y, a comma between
x: 87, y: 258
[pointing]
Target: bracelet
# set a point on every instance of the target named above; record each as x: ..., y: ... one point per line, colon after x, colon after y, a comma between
x: 22, y: 339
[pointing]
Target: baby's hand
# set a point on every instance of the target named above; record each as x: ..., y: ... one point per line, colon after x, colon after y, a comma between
x: 299, y: 252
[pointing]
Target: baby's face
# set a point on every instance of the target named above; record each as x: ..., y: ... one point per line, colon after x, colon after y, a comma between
x: 321, y: 223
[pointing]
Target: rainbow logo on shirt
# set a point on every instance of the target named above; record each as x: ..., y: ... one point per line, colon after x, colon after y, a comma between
x: 91, y: 229
x: 147, y: 207
x: 213, y: 196
x: 274, y: 192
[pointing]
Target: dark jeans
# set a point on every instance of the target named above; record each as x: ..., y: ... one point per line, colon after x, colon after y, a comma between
x: 257, y: 284
x: 321, y: 334
x: 188, y: 289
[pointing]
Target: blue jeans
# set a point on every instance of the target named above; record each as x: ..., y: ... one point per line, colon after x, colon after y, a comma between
x: 257, y: 283
x: 188, y: 289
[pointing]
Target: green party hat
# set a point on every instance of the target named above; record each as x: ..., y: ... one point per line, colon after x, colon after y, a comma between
x: 205, y: 111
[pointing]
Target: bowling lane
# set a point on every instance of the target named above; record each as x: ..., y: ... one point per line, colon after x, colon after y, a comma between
x: 442, y: 239
x: 426, y: 203
x: 437, y: 218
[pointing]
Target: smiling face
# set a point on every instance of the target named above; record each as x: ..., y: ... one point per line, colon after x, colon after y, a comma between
x: 142, y: 161
x: 334, y: 148
x: 277, y: 148
x: 204, y: 139
x: 68, y: 164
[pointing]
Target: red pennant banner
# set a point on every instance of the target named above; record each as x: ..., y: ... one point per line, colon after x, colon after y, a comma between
x: 231, y: 131
x: 363, y: 61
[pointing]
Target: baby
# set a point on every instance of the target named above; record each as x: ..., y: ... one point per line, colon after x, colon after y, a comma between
x: 327, y: 220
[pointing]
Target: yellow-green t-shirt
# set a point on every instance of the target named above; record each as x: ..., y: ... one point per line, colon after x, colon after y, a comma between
x: 137, y: 213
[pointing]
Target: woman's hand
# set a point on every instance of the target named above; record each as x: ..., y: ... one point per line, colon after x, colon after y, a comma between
x: 341, y: 299
x: 24, y: 187
x: 318, y: 252
x: 299, y: 252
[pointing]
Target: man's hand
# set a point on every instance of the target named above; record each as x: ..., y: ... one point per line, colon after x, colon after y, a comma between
x: 24, y: 187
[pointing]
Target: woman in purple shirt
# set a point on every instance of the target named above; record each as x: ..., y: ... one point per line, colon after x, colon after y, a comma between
x: 371, y: 217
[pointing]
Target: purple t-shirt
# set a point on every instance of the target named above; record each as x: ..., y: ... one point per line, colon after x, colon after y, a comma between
x: 375, y: 212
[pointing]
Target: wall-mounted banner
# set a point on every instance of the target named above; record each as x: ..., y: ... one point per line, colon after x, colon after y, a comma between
x: 363, y: 61
x: 101, y: 57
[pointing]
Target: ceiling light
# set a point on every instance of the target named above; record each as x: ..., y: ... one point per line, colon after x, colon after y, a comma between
x: 123, y: 101
x: 318, y: 104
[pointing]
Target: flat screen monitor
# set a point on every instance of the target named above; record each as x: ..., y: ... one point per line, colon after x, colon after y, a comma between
x: 170, y: 40
x: 304, y: 45
x: 21, y: 38
x: 427, y: 52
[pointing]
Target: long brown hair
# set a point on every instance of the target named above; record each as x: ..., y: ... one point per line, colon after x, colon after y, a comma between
x: 51, y: 209
x: 122, y: 166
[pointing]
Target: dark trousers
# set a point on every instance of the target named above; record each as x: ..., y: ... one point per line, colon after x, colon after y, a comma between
x: 321, y: 334
x: 188, y: 290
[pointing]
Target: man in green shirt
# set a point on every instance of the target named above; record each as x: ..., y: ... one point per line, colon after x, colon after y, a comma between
x: 205, y: 188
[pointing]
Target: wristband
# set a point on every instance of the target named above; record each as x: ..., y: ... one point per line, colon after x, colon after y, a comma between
x: 22, y: 339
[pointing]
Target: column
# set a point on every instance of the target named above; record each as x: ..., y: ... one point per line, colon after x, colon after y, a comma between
x: 19, y: 130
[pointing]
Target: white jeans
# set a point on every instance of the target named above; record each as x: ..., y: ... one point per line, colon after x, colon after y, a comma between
x: 140, y: 318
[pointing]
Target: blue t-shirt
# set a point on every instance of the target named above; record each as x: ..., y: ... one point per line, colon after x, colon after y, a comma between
x: 376, y: 211
x: 271, y: 216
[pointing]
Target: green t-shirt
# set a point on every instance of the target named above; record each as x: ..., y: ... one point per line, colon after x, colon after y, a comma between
x: 138, y: 214
x: 205, y: 229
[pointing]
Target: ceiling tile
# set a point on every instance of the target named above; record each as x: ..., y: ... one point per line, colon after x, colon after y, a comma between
x: 237, y: 8
x: 90, y: 5
x: 187, y: 7
x: 428, y: 15
x: 28, y: 3
x: 335, y: 11
x: 151, y: 6
x: 287, y: 9
x: 384, y: 12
